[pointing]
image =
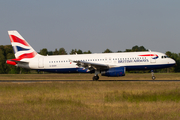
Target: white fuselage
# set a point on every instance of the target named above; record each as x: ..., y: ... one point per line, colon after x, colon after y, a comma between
x: 130, y: 60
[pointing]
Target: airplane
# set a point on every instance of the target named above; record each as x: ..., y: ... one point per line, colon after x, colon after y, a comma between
x: 106, y: 64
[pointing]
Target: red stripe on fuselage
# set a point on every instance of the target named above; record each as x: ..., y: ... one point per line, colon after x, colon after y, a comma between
x: 18, y: 40
x: 149, y: 55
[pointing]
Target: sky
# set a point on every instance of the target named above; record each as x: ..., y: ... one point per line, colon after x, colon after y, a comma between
x: 93, y: 25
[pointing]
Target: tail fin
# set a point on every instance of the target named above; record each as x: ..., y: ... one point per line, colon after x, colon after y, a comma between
x: 21, y: 48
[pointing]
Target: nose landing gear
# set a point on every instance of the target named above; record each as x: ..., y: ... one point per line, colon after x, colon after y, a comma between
x: 152, y: 73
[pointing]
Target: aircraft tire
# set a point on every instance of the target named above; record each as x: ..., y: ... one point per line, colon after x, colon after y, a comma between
x: 153, y: 77
x: 95, y: 78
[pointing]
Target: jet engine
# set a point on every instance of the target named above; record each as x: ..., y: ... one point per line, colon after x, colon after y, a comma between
x: 114, y: 72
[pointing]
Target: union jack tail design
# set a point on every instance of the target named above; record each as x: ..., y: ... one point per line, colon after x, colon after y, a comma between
x: 22, y: 49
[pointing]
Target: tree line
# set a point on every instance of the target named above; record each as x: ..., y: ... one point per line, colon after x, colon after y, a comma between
x: 6, y: 52
x: 62, y: 51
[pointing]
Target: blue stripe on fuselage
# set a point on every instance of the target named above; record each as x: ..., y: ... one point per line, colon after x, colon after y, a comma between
x: 68, y: 70
x: 148, y: 67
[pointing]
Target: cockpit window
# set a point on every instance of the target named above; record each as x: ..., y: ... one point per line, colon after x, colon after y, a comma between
x: 164, y: 57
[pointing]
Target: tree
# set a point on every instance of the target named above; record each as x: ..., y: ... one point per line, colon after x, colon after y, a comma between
x: 119, y: 51
x: 88, y: 52
x: 128, y: 50
x: 2, y: 62
x: 142, y: 48
x: 136, y: 49
x: 107, y: 51
x: 12, y: 69
x: 176, y: 57
x: 56, y: 52
x: 62, y: 51
x: 44, y: 51
x: 79, y: 52
x: 73, y: 51
x: 50, y: 52
x: 24, y: 71
x: 8, y: 49
x: 168, y: 53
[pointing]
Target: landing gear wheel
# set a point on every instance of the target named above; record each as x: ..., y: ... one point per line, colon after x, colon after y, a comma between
x: 153, y: 77
x: 95, y: 78
x: 152, y: 73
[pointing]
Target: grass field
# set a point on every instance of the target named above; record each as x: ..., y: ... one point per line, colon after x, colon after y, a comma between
x: 90, y: 99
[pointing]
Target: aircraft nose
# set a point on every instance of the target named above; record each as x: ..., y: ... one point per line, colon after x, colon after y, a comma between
x: 172, y: 61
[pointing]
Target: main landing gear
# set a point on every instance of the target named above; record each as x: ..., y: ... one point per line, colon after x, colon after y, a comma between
x: 152, y: 73
x: 96, y: 77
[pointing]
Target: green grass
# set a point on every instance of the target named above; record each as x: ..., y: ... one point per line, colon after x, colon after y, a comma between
x: 148, y: 96
x: 90, y: 100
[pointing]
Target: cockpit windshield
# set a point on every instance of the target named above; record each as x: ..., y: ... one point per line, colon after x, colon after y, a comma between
x: 164, y: 57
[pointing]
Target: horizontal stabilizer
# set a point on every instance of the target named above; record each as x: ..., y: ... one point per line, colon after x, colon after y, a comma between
x: 14, y: 61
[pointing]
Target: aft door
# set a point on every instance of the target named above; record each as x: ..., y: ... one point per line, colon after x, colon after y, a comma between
x: 41, y: 63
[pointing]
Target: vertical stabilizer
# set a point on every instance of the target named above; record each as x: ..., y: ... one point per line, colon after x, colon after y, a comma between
x: 20, y: 46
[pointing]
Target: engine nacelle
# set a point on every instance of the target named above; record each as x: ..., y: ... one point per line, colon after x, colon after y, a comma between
x: 114, y: 72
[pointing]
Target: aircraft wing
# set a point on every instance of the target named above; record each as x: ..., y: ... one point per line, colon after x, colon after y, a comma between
x: 93, y: 66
